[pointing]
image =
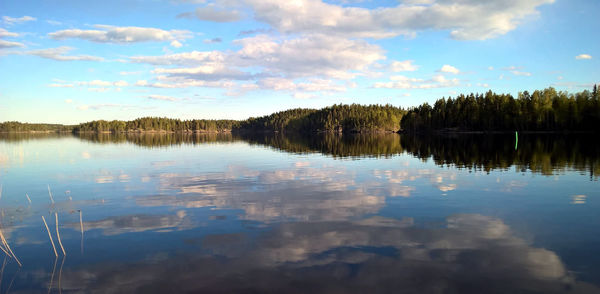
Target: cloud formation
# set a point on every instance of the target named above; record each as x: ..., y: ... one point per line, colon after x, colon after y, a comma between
x: 122, y: 35
x: 583, y: 56
x: 58, y: 54
x: 449, y: 69
x: 17, y: 20
x: 403, y: 82
x: 406, y: 65
x: 306, y: 63
x: 466, y: 19
x: 211, y: 13
x: 9, y: 44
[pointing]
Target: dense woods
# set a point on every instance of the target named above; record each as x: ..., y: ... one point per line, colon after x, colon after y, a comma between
x: 14, y: 126
x: 336, y: 118
x: 545, y: 110
x: 156, y: 124
x: 542, y: 110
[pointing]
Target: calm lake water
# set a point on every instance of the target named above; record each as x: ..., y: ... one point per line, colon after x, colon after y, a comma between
x: 293, y: 214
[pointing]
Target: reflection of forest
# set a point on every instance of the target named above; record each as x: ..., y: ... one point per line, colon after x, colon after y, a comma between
x: 156, y: 139
x: 543, y: 153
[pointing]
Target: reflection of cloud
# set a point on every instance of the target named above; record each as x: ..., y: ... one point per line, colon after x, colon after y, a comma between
x: 104, y: 179
x: 437, y: 179
x: 578, y: 199
x: 271, y: 195
x: 446, y: 188
x: 3, y: 160
x: 512, y: 185
x: 472, y: 254
x: 137, y: 223
x: 164, y: 163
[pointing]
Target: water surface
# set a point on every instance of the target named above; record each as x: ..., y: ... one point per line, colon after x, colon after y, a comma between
x: 220, y: 213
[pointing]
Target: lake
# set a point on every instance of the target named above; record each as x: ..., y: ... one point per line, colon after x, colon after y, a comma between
x: 223, y: 213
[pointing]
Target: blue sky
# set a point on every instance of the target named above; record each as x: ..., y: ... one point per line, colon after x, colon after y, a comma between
x: 75, y: 61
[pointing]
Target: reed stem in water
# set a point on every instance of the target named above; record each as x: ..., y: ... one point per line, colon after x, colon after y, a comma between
x: 50, y: 236
x: 58, y: 235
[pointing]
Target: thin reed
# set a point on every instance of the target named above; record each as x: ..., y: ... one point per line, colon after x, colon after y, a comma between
x: 6, y: 246
x: 58, y: 235
x: 50, y: 193
x: 50, y: 236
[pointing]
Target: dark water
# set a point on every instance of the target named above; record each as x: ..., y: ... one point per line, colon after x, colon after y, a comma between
x: 222, y: 213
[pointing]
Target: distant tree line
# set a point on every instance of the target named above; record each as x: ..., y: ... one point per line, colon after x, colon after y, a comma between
x: 336, y: 118
x: 15, y: 126
x: 545, y: 110
x: 157, y: 124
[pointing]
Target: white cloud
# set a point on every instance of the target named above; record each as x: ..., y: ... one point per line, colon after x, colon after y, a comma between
x: 17, y: 20
x: 121, y: 84
x: 98, y: 89
x: 466, y: 19
x: 186, y: 58
x: 121, y: 35
x: 58, y: 54
x: 406, y: 65
x: 93, y: 86
x: 68, y: 101
x: 4, y: 33
x: 403, y: 82
x: 213, y: 40
x: 9, y: 44
x: 212, y: 71
x: 521, y: 73
x: 162, y: 98
x: 449, y: 69
x: 127, y: 73
x: 304, y: 95
x: 583, y: 56
x: 176, y: 44
x: 315, y: 60
x: 490, y: 68
x: 314, y: 55
x: 98, y: 106
x: 57, y: 85
x: 141, y: 83
x: 313, y: 85
x: 211, y: 13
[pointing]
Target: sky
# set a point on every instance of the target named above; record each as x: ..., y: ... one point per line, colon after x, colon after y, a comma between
x: 73, y: 61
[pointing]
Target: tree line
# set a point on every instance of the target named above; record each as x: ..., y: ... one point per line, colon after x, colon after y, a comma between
x: 15, y: 127
x: 337, y: 118
x: 156, y: 124
x: 542, y: 110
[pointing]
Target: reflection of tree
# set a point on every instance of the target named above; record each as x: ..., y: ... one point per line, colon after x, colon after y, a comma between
x: 541, y: 153
x: 17, y: 137
x: 470, y: 254
x: 157, y: 139
x: 337, y: 145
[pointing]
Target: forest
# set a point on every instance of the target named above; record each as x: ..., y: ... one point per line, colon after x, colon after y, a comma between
x: 542, y: 110
x: 16, y: 127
